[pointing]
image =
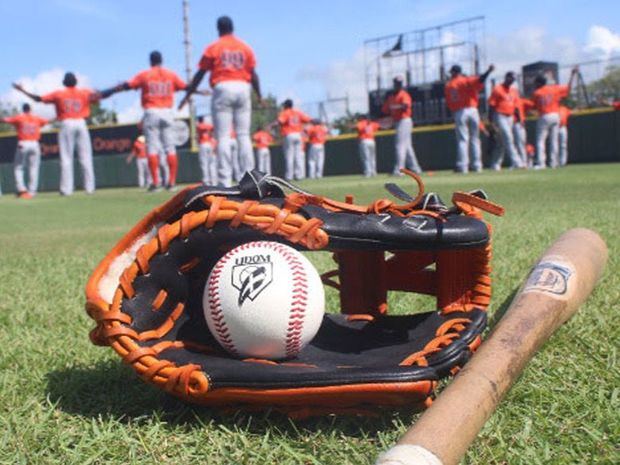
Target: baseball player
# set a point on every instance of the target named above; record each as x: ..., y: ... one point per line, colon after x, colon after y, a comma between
x: 72, y: 106
x: 138, y: 151
x: 237, y: 170
x: 546, y: 100
x: 366, y: 130
x: 262, y: 140
x: 519, y: 133
x: 398, y: 106
x: 503, y: 106
x: 232, y: 64
x: 317, y: 135
x: 28, y: 127
x: 291, y: 121
x: 206, y: 154
x: 461, y: 94
x: 157, y: 85
x: 563, y: 134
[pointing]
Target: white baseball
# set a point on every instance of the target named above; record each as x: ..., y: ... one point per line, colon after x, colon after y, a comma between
x: 265, y: 300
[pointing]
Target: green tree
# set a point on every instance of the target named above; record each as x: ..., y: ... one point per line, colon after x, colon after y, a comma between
x: 607, y: 88
x: 265, y: 113
x: 99, y: 115
x: 6, y: 110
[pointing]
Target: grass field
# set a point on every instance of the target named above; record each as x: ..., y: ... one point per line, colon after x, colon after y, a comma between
x: 63, y: 400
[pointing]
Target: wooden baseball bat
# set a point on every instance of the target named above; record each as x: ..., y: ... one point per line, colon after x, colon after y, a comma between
x: 557, y: 285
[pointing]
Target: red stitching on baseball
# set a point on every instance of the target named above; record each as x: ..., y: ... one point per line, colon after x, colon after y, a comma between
x: 215, y: 306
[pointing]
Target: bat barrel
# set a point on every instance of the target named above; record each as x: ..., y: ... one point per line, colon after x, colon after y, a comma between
x: 557, y: 285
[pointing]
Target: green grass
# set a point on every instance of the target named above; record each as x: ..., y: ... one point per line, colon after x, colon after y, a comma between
x: 65, y: 400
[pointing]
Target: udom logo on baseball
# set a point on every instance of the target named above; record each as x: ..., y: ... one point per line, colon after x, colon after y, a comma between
x: 251, y: 275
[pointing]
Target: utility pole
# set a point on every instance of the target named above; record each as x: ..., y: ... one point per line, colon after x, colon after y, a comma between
x: 187, y: 44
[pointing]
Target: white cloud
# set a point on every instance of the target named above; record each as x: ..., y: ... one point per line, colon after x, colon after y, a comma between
x: 131, y: 113
x: 602, y: 42
x: 87, y: 8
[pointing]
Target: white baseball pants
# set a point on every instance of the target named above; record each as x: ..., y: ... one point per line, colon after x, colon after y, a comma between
x: 231, y: 105
x: 74, y: 134
x: 368, y: 156
x: 563, y: 141
x: 316, y: 160
x: 547, y: 126
x: 520, y: 137
x: 208, y: 164
x: 237, y: 170
x: 467, y: 127
x: 28, y: 152
x: 294, y: 157
x: 263, y: 157
x: 158, y: 132
x: 405, y: 155
x: 505, y: 144
x: 144, y: 175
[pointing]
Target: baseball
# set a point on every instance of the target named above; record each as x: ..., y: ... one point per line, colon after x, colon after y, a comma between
x: 265, y: 300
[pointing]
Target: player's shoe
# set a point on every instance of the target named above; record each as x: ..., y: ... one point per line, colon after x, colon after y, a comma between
x: 24, y: 195
x: 172, y: 188
x: 153, y: 188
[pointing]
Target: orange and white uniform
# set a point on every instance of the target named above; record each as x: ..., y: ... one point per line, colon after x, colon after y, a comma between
x: 28, y: 127
x: 461, y: 94
x: 157, y: 86
x: 564, y: 113
x: 518, y: 129
x: 547, y: 103
x: 231, y: 63
x: 72, y: 108
x: 262, y: 140
x: 317, y: 135
x: 138, y: 151
x: 206, y: 154
x: 504, y: 100
x: 399, y: 107
x: 291, y: 122
x: 366, y: 130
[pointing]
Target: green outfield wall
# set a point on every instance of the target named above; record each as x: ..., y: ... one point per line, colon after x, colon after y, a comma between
x: 594, y: 136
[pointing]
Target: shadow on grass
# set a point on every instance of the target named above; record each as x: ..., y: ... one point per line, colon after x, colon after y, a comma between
x: 502, y: 309
x: 111, y: 391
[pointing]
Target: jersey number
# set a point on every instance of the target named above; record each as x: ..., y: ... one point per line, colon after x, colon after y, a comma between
x: 71, y: 105
x: 232, y: 59
x: 160, y: 89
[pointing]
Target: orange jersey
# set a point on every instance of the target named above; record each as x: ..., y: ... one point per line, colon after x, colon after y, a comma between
x: 366, y: 129
x: 616, y: 106
x: 523, y: 106
x: 564, y: 115
x: 228, y: 59
x: 28, y: 126
x: 547, y: 98
x: 392, y: 105
x: 204, y: 132
x: 139, y: 149
x: 158, y: 86
x: 504, y: 100
x: 462, y: 92
x: 262, y: 139
x: 70, y: 102
x: 291, y: 120
x: 317, y: 134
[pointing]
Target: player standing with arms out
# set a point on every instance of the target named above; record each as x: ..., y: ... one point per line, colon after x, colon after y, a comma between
x: 317, y: 135
x: 366, y: 130
x: 72, y: 106
x: 399, y: 106
x: 28, y: 127
x: 138, y: 151
x: 503, y: 106
x: 206, y: 155
x: 157, y: 85
x: 462, y: 93
x: 262, y: 140
x: 546, y: 100
x: 563, y: 134
x: 232, y: 64
x: 291, y: 121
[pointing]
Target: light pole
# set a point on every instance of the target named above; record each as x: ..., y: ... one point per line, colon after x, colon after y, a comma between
x: 188, y: 72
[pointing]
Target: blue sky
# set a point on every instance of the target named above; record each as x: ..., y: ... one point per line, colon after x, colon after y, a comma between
x: 305, y: 50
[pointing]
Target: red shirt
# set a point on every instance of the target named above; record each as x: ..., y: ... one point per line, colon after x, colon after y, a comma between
x: 139, y: 149
x: 564, y: 115
x: 317, y: 134
x: 366, y: 129
x: 462, y: 92
x: 158, y: 86
x: 27, y: 125
x: 262, y: 139
x: 291, y: 120
x: 393, y: 103
x: 228, y: 59
x: 204, y: 131
x: 70, y: 102
x: 504, y: 100
x: 547, y: 98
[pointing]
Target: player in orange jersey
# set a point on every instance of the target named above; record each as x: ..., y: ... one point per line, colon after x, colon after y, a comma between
x: 502, y: 106
x: 72, y: 106
x: 317, y: 135
x: 291, y: 121
x: 547, y: 98
x: 28, y: 127
x: 262, y: 140
x: 206, y: 153
x: 232, y: 64
x: 138, y: 151
x: 518, y: 130
x: 366, y: 130
x: 461, y: 94
x: 564, y: 113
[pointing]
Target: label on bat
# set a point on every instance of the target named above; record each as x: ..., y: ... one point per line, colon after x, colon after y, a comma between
x: 550, y: 277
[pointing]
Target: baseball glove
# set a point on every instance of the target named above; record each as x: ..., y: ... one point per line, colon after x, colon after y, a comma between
x: 146, y: 295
